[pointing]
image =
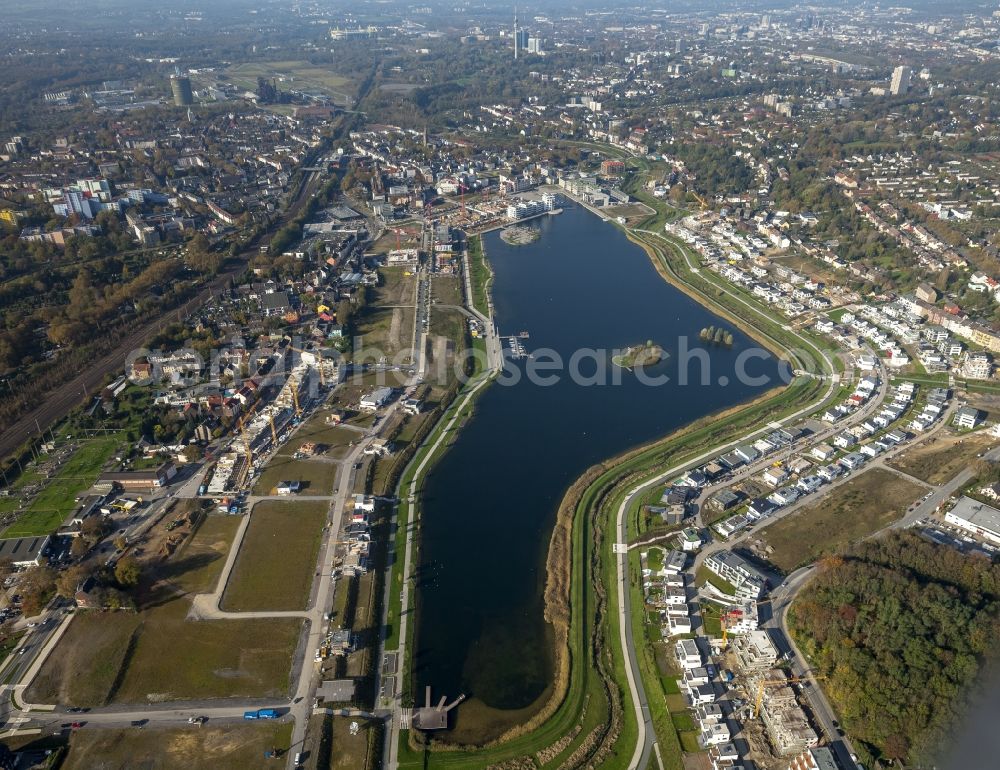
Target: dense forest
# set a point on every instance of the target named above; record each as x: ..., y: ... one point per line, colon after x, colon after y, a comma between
x: 902, y: 628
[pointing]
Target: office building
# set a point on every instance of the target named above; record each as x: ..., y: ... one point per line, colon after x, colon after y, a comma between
x: 900, y: 80
x: 180, y: 86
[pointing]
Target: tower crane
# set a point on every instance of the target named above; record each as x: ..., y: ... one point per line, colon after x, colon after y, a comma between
x: 319, y: 363
x: 295, y: 397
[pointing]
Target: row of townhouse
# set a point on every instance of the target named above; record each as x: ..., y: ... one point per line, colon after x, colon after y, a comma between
x: 811, y: 478
x: 665, y: 588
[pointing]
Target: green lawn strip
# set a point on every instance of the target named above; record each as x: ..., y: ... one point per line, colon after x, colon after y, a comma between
x: 479, y: 275
x: 646, y: 632
x: 711, y: 617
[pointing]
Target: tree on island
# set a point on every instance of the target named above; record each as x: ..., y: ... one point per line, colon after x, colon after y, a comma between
x: 716, y: 336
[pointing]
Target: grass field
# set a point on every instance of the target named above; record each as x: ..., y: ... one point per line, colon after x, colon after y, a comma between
x: 335, y: 439
x: 57, y: 500
x: 447, y: 289
x: 384, y: 333
x: 234, y: 747
x: 854, y: 510
x: 396, y: 287
x: 157, y: 654
x: 277, y: 560
x: 940, y: 458
x: 298, y: 75
x: 316, y: 475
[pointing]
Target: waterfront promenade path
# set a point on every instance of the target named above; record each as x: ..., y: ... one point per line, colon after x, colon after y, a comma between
x: 443, y: 436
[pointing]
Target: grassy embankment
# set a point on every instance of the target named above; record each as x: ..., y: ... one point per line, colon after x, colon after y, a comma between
x: 480, y: 275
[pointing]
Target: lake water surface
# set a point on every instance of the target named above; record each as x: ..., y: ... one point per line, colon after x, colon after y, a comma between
x: 489, y: 504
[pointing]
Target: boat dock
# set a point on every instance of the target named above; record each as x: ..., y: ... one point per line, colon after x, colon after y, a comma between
x: 516, y: 346
x: 433, y: 717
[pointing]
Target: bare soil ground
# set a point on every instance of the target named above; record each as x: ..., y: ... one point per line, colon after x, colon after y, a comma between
x: 939, y: 458
x: 233, y: 747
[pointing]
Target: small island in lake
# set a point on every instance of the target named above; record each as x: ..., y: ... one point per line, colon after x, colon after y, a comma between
x: 715, y: 336
x: 520, y: 235
x: 648, y: 354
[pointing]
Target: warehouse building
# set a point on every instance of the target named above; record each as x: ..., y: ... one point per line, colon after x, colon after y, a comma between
x: 975, y: 517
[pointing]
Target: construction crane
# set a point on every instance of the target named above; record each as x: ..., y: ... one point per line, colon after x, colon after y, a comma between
x: 774, y: 682
x: 274, y: 431
x: 249, y: 461
x: 319, y: 365
x: 702, y: 201
x: 295, y: 396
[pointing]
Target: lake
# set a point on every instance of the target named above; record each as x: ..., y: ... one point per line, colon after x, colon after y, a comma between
x: 489, y: 504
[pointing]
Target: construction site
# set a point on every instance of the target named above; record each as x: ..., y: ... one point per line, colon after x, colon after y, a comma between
x: 770, y: 703
x: 263, y: 428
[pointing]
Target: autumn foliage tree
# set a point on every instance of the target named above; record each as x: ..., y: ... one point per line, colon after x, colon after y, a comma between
x: 902, y: 628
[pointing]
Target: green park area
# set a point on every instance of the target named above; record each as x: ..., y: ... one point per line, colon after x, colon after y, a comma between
x: 233, y: 747
x: 157, y: 654
x: 59, y: 486
x: 277, y: 561
x: 479, y: 275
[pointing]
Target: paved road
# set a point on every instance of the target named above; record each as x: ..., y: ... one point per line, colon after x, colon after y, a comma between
x: 823, y: 713
x: 646, y: 737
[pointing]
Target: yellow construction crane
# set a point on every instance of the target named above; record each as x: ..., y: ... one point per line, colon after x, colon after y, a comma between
x: 774, y: 682
x: 245, y: 417
x: 319, y: 359
x: 702, y: 201
x: 274, y: 431
x: 295, y: 396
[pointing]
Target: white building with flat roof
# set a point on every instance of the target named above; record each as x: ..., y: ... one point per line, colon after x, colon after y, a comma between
x: 975, y: 517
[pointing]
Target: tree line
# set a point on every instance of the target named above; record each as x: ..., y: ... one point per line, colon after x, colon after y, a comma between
x: 902, y: 628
